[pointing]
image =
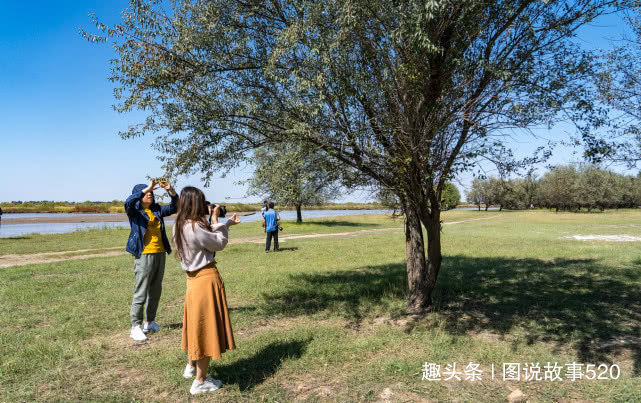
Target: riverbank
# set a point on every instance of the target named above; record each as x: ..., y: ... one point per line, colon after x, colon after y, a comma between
x: 117, y: 206
x: 22, y: 224
x: 71, y: 218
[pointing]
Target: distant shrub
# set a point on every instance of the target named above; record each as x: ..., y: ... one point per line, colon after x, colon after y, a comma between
x: 91, y: 209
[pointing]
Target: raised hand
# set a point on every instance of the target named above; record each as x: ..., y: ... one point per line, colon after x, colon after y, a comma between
x: 152, y: 186
x: 233, y: 220
x: 166, y: 185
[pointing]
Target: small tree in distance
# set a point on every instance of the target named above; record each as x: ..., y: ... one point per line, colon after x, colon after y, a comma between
x: 451, y: 197
x: 289, y: 175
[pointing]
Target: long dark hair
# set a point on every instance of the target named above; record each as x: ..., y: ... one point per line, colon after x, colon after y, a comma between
x: 191, y: 207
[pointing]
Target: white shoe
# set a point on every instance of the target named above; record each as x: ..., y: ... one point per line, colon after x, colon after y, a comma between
x: 151, y: 327
x: 216, y: 382
x: 190, y: 371
x: 198, y: 387
x: 137, y: 333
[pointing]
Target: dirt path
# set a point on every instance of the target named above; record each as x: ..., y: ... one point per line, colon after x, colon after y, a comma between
x: 49, y: 257
x: 471, y: 219
x: 21, y: 260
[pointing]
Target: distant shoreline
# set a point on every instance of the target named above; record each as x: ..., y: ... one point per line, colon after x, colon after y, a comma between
x: 116, y: 207
x: 68, y: 218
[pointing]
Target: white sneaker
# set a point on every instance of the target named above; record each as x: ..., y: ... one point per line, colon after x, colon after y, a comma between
x: 216, y: 382
x: 151, y: 327
x: 190, y: 371
x: 137, y: 333
x: 198, y: 387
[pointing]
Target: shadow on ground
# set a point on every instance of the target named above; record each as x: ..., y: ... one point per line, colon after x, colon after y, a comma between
x: 577, y: 303
x: 242, y: 308
x: 292, y: 249
x: 332, y: 223
x: 252, y: 371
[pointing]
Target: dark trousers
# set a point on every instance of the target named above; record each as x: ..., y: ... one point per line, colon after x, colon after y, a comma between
x: 270, y: 235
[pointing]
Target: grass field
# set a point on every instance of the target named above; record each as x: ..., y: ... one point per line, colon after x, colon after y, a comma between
x: 324, y: 319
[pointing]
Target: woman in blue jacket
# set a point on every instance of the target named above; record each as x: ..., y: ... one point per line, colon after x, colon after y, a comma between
x: 148, y: 243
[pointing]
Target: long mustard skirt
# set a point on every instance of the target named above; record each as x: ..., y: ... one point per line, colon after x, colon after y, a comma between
x: 206, y: 327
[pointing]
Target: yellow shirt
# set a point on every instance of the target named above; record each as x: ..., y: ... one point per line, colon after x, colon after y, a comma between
x: 153, y: 237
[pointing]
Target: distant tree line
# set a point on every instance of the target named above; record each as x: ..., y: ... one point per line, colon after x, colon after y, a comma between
x: 568, y: 188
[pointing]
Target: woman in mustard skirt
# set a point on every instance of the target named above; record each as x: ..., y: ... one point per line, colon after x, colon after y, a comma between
x: 207, y: 331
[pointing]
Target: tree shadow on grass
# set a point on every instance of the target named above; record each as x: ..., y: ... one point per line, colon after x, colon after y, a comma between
x: 242, y: 308
x: 292, y: 249
x: 354, y: 293
x: 577, y: 303
x: 333, y: 223
x: 252, y: 371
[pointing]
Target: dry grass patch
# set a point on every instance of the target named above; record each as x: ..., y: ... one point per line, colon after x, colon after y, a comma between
x: 307, y: 386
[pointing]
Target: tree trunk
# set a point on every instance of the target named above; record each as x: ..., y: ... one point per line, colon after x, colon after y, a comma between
x: 479, y: 207
x: 486, y: 206
x: 299, y: 214
x: 433, y: 226
x: 419, y: 295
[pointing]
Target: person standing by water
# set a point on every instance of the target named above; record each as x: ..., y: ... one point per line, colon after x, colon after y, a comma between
x: 207, y: 331
x: 148, y: 243
x: 0, y: 215
x: 264, y: 208
x: 270, y: 222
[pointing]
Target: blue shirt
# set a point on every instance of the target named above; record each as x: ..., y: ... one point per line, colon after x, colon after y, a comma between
x: 271, y: 222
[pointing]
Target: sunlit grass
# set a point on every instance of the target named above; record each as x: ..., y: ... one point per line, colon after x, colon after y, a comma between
x: 325, y: 319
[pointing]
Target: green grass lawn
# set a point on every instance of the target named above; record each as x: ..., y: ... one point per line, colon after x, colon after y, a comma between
x: 324, y: 320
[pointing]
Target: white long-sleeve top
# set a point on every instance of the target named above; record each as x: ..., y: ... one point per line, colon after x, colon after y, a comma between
x: 200, y: 244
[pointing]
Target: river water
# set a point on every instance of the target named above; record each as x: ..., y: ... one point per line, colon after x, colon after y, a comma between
x: 12, y: 230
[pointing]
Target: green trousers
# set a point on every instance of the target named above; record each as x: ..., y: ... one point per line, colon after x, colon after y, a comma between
x: 149, y: 270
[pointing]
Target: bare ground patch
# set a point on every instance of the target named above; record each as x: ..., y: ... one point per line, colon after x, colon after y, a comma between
x: 605, y: 238
x: 306, y: 386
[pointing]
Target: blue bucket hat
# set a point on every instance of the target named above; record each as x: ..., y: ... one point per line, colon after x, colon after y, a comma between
x: 138, y: 188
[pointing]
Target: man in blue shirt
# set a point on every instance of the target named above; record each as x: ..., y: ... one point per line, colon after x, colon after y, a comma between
x: 270, y: 222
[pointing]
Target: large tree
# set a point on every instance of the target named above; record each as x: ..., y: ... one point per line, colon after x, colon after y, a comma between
x: 291, y: 175
x: 615, y: 135
x: 405, y: 92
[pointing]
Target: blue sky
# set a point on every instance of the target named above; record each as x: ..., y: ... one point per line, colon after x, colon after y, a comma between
x: 58, y: 132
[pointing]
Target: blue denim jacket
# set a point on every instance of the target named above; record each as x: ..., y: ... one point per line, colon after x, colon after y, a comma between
x: 138, y: 220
